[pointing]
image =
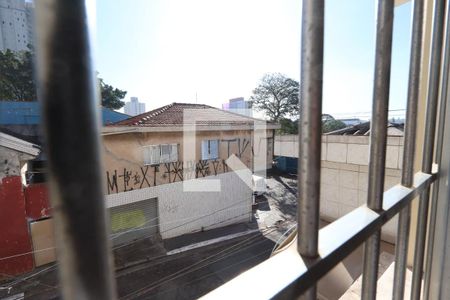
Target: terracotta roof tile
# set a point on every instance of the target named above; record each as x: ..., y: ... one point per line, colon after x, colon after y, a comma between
x: 172, y: 115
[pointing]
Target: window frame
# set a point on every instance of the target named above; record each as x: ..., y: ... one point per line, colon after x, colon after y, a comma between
x: 167, y: 158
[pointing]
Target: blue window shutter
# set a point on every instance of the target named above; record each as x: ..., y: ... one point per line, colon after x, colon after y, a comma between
x: 214, y: 149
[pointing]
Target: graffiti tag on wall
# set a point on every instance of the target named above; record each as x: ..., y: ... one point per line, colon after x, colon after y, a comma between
x: 128, y: 179
x: 125, y: 179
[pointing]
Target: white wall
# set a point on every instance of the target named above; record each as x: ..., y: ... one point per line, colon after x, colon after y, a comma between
x: 286, y: 145
x: 185, y: 212
x: 345, y: 173
x: 344, y: 181
x: 12, y: 162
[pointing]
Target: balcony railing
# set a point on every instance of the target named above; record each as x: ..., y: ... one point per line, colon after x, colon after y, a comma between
x: 67, y: 90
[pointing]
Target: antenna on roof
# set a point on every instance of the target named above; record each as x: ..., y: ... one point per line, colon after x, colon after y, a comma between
x: 196, y: 97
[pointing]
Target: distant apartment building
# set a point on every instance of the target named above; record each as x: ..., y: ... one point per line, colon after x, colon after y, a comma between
x: 134, y: 107
x: 240, y: 106
x: 16, y: 25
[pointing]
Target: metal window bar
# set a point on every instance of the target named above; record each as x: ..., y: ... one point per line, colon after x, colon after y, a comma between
x: 401, y: 245
x: 428, y: 145
x: 378, y: 140
x: 439, y: 145
x: 298, y: 273
x: 70, y: 104
x: 66, y: 82
x: 310, y: 125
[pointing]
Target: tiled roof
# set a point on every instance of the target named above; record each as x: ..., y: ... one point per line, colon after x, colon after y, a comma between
x: 173, y: 115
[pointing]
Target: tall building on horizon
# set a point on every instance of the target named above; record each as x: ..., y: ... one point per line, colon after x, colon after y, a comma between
x: 134, y: 107
x: 240, y: 106
x: 16, y: 24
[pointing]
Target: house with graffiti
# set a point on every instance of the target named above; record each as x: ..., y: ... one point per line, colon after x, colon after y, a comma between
x: 182, y: 168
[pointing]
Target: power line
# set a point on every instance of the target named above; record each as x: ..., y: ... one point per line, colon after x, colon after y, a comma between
x: 136, y: 240
x: 192, y: 219
x: 220, y: 270
x: 190, y: 268
x: 10, y: 286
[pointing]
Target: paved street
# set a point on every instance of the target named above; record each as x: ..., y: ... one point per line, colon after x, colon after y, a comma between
x: 278, y: 206
x: 144, y: 271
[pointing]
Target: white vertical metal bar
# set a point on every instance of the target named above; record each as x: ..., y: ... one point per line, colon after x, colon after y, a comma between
x: 67, y: 89
x: 310, y: 130
x: 428, y: 146
x: 310, y: 126
x: 378, y: 137
x: 401, y: 246
x: 438, y: 283
x: 439, y: 147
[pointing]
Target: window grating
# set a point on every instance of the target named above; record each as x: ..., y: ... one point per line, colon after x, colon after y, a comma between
x: 319, y: 251
x: 85, y: 265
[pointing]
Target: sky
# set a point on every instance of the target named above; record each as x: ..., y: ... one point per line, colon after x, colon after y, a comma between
x: 209, y: 51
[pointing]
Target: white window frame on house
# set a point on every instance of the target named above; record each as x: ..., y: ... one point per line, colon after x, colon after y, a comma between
x: 208, y: 150
x: 162, y: 153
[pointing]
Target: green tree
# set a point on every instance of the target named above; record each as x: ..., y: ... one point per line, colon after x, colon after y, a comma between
x: 277, y: 96
x: 111, y: 96
x: 16, y: 76
x: 17, y: 81
x: 331, y: 125
x: 288, y: 126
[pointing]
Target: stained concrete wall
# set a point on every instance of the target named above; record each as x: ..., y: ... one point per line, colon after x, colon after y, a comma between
x: 344, y: 180
x: 286, y: 145
x: 123, y: 157
x: 12, y: 162
x: 182, y: 212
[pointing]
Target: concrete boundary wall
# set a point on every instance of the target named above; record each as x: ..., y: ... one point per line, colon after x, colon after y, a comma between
x: 182, y: 212
x: 286, y: 145
x: 344, y: 181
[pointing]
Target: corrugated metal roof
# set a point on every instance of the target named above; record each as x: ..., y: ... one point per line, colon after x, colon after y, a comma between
x: 364, y: 129
x: 29, y: 113
x: 18, y: 144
